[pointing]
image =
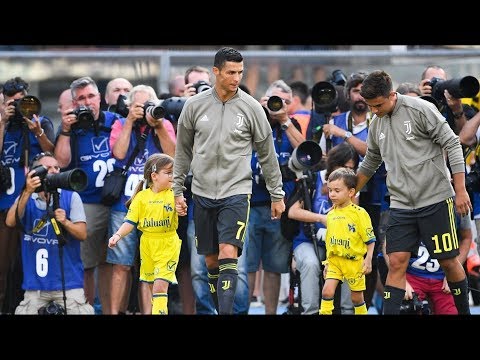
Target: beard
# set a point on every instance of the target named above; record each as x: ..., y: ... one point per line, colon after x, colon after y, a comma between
x: 360, y: 106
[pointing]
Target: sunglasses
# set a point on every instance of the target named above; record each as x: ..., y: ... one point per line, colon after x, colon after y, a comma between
x: 11, y: 89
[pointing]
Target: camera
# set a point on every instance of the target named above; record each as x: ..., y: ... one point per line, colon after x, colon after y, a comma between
x: 26, y: 107
x: 201, y: 86
x: 306, y: 157
x: 75, y: 179
x: 472, y: 179
x: 173, y: 107
x: 466, y: 87
x: 120, y: 107
x: 52, y: 308
x: 339, y: 78
x: 275, y: 103
x: 84, y: 116
x: 414, y: 306
x: 155, y: 111
x: 324, y: 97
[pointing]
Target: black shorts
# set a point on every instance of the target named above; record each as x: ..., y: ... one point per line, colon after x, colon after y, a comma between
x: 433, y: 224
x: 221, y: 221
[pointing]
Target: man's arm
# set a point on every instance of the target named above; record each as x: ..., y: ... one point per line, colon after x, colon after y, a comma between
x: 21, y: 202
x: 362, y: 179
x: 183, y: 155
x: 468, y: 133
x: 77, y: 224
x: 63, y: 152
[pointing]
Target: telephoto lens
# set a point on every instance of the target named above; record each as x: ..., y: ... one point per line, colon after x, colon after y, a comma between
x: 275, y: 103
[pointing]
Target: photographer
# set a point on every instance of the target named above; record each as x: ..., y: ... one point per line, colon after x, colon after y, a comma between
x: 82, y: 142
x: 124, y: 138
x: 42, y: 262
x: 21, y: 139
x: 451, y: 108
x: 115, y: 88
x: 265, y: 242
x: 197, y: 79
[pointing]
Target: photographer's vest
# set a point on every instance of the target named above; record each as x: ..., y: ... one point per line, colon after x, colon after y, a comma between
x: 376, y: 188
x: 91, y: 152
x: 320, y: 204
x: 16, y: 141
x: 135, y: 170
x: 40, y: 252
x: 283, y: 149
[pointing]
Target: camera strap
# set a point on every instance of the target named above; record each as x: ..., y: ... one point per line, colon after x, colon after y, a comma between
x: 141, y: 139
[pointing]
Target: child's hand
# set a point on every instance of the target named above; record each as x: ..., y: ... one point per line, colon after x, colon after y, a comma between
x: 112, y: 242
x: 367, y: 267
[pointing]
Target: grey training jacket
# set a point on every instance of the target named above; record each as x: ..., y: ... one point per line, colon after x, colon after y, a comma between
x: 411, y: 143
x: 216, y: 138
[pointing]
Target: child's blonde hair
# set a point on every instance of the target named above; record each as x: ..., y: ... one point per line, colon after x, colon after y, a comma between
x: 154, y: 163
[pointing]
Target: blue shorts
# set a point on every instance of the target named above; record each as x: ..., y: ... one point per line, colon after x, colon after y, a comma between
x: 126, y: 249
x: 266, y: 243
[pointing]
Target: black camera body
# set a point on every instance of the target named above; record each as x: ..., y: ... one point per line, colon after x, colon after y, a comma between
x: 120, y: 107
x: 173, y: 107
x: 339, y: 77
x: 84, y: 116
x: 465, y: 87
x: 413, y: 306
x: 201, y: 86
x: 472, y: 179
x: 52, y: 308
x: 74, y: 180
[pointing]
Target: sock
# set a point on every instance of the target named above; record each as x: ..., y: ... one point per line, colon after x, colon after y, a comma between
x: 460, y: 296
x: 159, y: 302
x: 360, y: 309
x: 392, y: 300
x: 326, y: 307
x: 212, y: 283
x: 227, y: 284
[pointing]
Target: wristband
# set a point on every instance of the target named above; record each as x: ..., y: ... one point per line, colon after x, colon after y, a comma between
x: 119, y: 236
x: 41, y: 134
x: 65, y: 133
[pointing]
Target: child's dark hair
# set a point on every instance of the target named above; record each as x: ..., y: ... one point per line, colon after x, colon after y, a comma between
x: 154, y: 163
x: 339, y: 155
x: 347, y: 175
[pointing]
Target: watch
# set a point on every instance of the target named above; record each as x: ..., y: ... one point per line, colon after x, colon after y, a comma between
x: 347, y: 135
x: 286, y: 124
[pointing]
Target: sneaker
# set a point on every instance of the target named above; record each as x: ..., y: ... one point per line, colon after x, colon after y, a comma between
x: 255, y: 302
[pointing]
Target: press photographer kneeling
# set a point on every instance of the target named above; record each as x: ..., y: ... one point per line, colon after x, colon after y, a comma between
x: 51, y: 235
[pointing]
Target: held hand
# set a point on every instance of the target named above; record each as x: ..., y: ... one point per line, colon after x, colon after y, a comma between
x: 189, y: 90
x: 112, y: 242
x: 454, y: 104
x: 9, y: 110
x: 277, y: 208
x: 181, y: 205
x: 60, y: 215
x: 463, y: 203
x: 367, y: 267
x: 34, y: 125
x: 445, y: 287
x: 408, y: 291
x: 32, y: 183
x: 68, y: 118
x: 425, y: 87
